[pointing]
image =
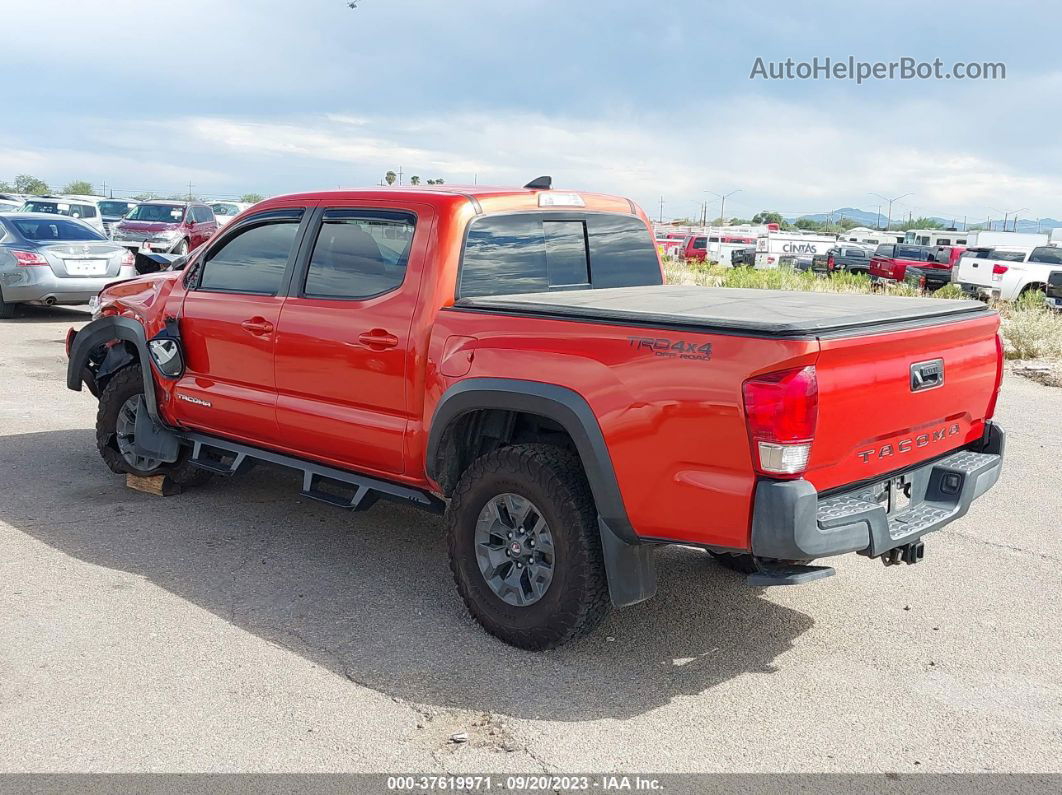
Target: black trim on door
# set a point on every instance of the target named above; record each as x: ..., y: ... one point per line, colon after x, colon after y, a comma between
x: 194, y: 273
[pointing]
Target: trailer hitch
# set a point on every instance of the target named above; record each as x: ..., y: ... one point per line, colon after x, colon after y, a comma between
x: 908, y: 553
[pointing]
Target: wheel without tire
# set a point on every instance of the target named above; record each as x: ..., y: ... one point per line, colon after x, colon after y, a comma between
x: 524, y: 546
x: 115, y: 425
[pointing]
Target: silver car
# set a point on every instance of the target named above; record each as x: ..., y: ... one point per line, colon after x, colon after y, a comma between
x: 51, y: 259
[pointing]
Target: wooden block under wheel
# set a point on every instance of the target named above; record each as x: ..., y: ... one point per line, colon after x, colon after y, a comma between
x: 159, y: 485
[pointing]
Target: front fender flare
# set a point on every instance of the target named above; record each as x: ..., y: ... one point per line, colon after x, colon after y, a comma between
x: 101, y: 331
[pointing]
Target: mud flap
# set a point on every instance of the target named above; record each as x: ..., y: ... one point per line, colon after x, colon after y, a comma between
x: 630, y: 568
x: 152, y: 439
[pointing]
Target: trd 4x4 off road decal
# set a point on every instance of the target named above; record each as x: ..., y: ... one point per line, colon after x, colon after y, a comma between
x: 672, y: 349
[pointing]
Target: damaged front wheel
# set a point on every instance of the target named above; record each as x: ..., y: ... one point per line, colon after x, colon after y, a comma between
x: 116, y: 437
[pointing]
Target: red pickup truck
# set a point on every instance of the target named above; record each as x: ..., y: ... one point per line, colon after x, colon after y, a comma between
x: 891, y: 260
x: 511, y: 357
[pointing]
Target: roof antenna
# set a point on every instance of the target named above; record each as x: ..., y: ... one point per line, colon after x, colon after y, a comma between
x: 540, y: 183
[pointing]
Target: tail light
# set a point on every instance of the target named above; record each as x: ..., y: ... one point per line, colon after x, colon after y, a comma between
x: 999, y: 378
x: 922, y: 282
x: 28, y: 259
x: 781, y: 410
x: 128, y: 258
x: 998, y: 271
x: 770, y: 260
x: 830, y: 263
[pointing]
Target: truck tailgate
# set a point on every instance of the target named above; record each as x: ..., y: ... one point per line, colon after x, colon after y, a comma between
x: 889, y: 401
x: 972, y: 270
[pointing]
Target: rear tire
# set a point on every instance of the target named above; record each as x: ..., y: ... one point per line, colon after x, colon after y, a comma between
x: 569, y: 596
x: 117, y: 398
x: 182, y: 248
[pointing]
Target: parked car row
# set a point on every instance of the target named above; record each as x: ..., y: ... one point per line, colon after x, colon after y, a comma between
x: 62, y: 249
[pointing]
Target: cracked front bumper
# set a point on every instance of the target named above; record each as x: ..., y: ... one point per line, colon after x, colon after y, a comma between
x: 792, y: 522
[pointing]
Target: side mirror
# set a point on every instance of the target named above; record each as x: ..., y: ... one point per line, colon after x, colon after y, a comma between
x: 166, y: 352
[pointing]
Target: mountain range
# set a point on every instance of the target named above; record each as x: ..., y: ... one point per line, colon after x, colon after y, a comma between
x: 865, y: 218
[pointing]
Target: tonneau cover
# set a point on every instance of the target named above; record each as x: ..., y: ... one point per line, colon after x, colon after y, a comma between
x: 781, y: 313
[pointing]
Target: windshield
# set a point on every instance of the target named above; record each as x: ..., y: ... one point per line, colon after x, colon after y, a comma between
x: 114, y: 208
x: 225, y: 209
x: 158, y: 213
x: 38, y: 229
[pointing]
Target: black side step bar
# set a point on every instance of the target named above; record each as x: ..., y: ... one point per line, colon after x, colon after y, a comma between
x: 794, y: 574
x: 319, y: 482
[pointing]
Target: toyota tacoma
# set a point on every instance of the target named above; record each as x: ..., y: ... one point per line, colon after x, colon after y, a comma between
x: 512, y: 358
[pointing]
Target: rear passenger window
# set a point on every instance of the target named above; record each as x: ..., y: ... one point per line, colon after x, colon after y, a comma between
x: 359, y: 254
x: 528, y: 253
x: 253, y: 261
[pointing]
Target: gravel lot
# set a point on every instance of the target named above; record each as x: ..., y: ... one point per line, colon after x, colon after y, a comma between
x: 239, y: 628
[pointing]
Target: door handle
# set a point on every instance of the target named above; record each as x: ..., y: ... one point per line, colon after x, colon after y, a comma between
x: 378, y: 338
x: 258, y: 325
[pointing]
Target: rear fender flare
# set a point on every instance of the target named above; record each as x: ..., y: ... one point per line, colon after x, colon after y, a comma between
x: 560, y: 404
x: 629, y: 563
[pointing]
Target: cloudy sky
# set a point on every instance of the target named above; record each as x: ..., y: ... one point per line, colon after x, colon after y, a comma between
x: 643, y: 99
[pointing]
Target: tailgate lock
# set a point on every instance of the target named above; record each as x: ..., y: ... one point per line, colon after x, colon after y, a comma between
x: 927, y: 375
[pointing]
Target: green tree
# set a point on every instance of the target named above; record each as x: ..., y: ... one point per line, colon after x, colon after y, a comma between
x: 24, y: 183
x: 390, y: 177
x: 766, y: 217
x: 808, y: 224
x: 6, y: 187
x: 918, y: 223
x: 251, y: 198
x: 414, y: 180
x: 79, y: 186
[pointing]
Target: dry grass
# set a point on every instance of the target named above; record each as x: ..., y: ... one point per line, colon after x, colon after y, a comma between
x: 1030, y: 329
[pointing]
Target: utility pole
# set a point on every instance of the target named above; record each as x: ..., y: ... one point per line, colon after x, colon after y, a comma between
x: 189, y: 190
x: 722, y: 202
x: 890, y: 201
x: 877, y: 221
x: 660, y: 219
x: 964, y: 223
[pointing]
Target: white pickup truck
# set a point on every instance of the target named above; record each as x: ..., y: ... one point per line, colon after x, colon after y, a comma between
x: 1007, y: 272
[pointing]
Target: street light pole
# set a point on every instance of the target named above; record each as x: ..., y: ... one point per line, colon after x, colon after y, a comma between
x: 890, y: 201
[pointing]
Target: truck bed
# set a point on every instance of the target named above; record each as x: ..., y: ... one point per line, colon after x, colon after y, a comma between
x: 774, y: 313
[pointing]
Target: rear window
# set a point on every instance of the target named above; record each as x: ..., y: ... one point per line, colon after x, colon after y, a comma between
x: 44, y: 229
x: 884, y: 250
x: 917, y: 253
x: 1047, y: 254
x: 700, y: 242
x: 535, y: 252
x: 1007, y: 256
x: 114, y: 208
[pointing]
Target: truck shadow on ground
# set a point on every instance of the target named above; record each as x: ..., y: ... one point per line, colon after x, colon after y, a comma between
x: 370, y: 597
x: 32, y: 313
